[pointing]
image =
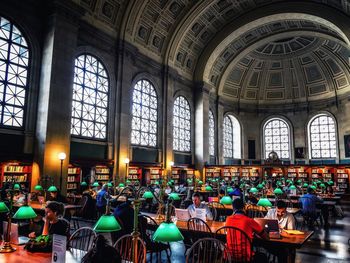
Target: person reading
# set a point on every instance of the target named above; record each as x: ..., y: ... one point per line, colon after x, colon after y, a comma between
x: 285, y: 219
x: 196, y: 199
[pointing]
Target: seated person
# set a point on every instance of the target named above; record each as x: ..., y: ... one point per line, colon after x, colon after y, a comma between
x: 196, y: 199
x: 308, y: 202
x: 285, y: 219
x: 251, y: 198
x: 101, y: 251
x: 124, y: 213
x: 57, y: 197
x: 53, y: 224
x: 236, y: 193
x: 248, y: 225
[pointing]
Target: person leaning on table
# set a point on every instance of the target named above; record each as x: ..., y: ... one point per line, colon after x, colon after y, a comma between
x: 285, y: 219
x: 196, y: 199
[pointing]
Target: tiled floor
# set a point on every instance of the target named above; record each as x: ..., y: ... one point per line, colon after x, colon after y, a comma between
x: 325, y: 246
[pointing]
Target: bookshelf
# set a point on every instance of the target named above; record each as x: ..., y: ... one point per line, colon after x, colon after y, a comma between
x: 16, y: 172
x: 230, y: 173
x: 212, y: 173
x: 175, y: 175
x: 134, y: 174
x: 155, y: 174
x: 342, y: 179
x: 103, y: 174
x: 73, y: 178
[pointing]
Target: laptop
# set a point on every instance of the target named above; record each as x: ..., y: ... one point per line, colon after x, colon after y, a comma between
x: 15, y: 239
x: 270, y: 225
x: 182, y: 214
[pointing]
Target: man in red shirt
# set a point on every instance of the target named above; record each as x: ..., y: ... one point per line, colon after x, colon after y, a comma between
x: 237, y: 244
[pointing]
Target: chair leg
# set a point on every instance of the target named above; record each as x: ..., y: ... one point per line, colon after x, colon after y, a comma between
x: 168, y: 256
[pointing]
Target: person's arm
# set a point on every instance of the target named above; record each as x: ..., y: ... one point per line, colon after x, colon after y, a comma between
x: 258, y: 230
x: 46, y: 227
x: 208, y: 213
x: 290, y: 222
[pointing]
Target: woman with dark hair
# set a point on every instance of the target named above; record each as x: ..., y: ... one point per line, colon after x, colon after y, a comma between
x: 53, y: 224
x: 101, y: 252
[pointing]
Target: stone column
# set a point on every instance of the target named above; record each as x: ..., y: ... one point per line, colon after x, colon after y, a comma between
x: 219, y: 129
x: 201, y: 138
x: 56, y: 88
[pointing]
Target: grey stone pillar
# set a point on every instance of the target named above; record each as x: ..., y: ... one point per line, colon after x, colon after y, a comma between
x: 56, y: 88
x: 219, y: 130
x: 201, y: 138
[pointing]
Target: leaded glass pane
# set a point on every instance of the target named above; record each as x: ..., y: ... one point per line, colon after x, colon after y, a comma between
x: 14, y: 59
x: 276, y: 138
x: 144, y: 114
x: 90, y: 98
x: 228, y: 137
x: 181, y: 125
x: 322, y: 137
x: 211, y: 134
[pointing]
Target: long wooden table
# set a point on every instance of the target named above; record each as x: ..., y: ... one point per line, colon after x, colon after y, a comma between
x: 23, y: 256
x: 287, y: 242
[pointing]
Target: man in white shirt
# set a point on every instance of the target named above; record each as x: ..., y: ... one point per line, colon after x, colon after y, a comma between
x: 285, y: 219
x: 196, y: 199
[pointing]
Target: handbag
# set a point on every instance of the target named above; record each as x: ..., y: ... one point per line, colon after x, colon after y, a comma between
x: 39, y: 244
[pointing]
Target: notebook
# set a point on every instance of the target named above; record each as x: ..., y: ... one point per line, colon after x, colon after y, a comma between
x: 182, y: 214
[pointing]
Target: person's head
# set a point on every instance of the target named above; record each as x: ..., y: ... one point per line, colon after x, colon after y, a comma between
x: 53, y: 210
x: 53, y: 194
x: 281, y: 208
x: 237, y: 204
x: 196, y: 199
x: 310, y: 190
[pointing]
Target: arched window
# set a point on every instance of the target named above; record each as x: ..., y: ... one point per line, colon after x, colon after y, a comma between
x: 322, y: 137
x: 211, y: 134
x: 181, y: 125
x: 276, y: 137
x: 14, y: 63
x: 232, y: 137
x: 90, y: 98
x: 144, y: 114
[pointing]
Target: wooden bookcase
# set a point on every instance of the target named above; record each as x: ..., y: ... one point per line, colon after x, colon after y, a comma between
x: 103, y: 174
x: 73, y: 178
x: 16, y: 172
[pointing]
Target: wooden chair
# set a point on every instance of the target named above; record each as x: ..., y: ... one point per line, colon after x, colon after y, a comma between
x: 79, y: 214
x: 239, y: 245
x: 221, y: 211
x: 255, y: 211
x: 197, y: 224
x: 82, y: 239
x: 125, y: 248
x: 207, y: 250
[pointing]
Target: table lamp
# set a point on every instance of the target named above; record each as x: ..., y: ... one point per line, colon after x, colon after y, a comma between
x: 226, y: 200
x: 264, y: 202
x: 174, y: 196
x: 95, y: 184
x: 253, y: 190
x: 167, y: 231
x: 107, y: 222
x: 147, y: 195
x: 52, y: 188
x: 38, y: 187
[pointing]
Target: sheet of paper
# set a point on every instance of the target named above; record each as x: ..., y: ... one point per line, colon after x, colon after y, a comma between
x: 201, y: 213
x: 59, y: 244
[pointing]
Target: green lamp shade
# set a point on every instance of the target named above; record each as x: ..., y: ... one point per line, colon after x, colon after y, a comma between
x: 278, y: 191
x: 109, y: 184
x: 305, y: 185
x: 16, y: 187
x: 128, y: 182
x: 200, y: 182
x: 279, y: 183
x: 38, y: 188
x: 107, y: 223
x: 52, y: 188
x: 167, y: 232
x: 260, y: 186
x: 226, y: 200
x: 169, y: 183
x: 253, y: 190
x: 330, y: 182
x: 83, y: 184
x: 229, y: 189
x: 208, y: 188
x: 156, y: 182
x: 147, y: 195
x: 292, y: 187
x: 174, y: 196
x: 313, y: 187
x: 3, y: 208
x: 95, y: 184
x: 121, y: 185
x: 25, y: 212
x: 264, y: 202
x: 299, y: 181
x: 322, y: 185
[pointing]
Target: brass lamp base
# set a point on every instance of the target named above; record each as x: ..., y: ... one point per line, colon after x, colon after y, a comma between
x: 7, y: 248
